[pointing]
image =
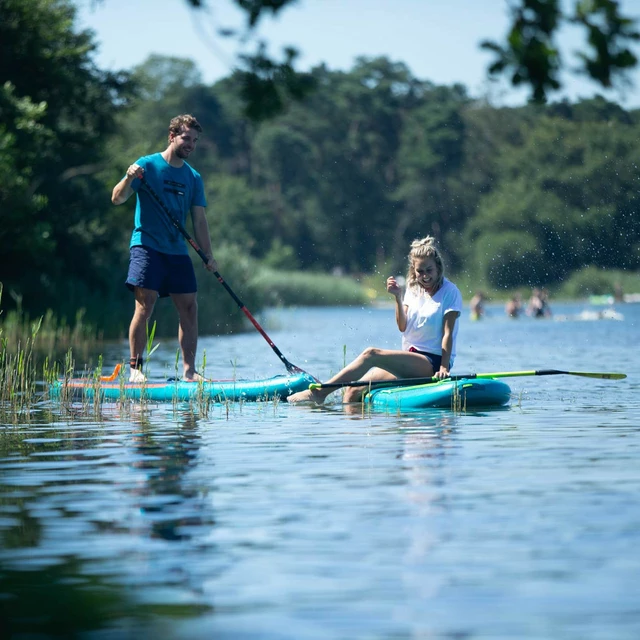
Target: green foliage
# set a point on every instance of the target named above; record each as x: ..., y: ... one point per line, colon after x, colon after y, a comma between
x: 567, y: 188
x: 509, y: 258
x: 530, y: 55
x: 596, y: 281
x: 238, y: 215
x: 280, y: 257
x: 308, y: 289
x: 430, y: 159
x: 266, y: 86
x: 339, y: 183
x: 52, y: 128
x: 21, y: 134
x: 609, y: 36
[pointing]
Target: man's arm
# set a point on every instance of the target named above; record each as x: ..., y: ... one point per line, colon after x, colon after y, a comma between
x: 123, y: 190
x: 201, y: 232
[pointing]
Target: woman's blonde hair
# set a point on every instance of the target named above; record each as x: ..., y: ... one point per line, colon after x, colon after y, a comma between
x: 421, y: 249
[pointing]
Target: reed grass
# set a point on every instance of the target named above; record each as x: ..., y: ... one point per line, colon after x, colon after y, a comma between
x: 21, y: 378
x: 26, y: 389
x: 17, y: 377
x: 48, y: 335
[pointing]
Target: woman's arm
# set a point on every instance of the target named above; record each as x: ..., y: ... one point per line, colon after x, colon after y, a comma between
x: 447, y: 343
x: 401, y: 310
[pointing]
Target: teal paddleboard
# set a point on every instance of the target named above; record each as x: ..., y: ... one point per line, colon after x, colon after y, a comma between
x: 169, y: 391
x: 446, y: 394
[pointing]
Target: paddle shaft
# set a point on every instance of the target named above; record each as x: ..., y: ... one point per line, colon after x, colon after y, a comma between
x: 291, y: 368
x: 406, y: 382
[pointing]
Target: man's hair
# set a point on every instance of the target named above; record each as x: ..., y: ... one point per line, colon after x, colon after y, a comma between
x: 184, y: 120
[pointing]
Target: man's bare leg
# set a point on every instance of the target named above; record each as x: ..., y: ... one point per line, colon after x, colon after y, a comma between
x: 145, y: 300
x: 187, y: 306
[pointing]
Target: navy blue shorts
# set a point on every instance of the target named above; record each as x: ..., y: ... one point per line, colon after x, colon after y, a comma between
x: 162, y: 272
x: 434, y: 359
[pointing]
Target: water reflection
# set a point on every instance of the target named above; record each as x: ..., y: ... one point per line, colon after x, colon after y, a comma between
x: 173, y: 508
x: 97, y: 522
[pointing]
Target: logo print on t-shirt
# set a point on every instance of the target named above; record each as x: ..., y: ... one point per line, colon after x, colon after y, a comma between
x: 179, y: 190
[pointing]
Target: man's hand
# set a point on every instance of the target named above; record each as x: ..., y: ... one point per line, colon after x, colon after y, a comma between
x: 211, y: 264
x: 134, y: 171
x: 123, y: 190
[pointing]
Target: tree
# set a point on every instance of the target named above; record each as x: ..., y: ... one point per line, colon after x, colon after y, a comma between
x: 430, y: 160
x: 564, y: 200
x: 529, y: 55
x: 55, y: 109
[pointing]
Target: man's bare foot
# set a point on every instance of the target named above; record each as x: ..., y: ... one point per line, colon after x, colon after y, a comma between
x: 135, y: 375
x: 194, y: 377
x: 306, y: 396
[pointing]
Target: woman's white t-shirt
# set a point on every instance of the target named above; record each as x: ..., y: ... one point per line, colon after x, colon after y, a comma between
x: 425, y: 317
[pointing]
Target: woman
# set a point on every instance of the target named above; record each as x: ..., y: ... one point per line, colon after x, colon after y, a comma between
x: 426, y: 316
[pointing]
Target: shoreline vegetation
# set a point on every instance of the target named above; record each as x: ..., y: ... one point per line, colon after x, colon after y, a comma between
x: 52, y: 336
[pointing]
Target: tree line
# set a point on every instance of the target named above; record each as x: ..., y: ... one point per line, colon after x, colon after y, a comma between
x: 340, y: 181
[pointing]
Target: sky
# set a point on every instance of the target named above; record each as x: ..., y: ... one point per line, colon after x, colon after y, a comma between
x: 438, y: 40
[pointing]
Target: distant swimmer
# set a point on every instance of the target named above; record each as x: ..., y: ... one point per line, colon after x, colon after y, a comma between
x: 618, y: 293
x: 539, y: 304
x: 513, y: 308
x: 476, y: 306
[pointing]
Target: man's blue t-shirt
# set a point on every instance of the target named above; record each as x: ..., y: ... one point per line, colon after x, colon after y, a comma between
x: 180, y: 189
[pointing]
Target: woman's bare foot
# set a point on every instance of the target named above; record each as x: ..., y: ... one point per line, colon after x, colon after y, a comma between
x: 306, y: 396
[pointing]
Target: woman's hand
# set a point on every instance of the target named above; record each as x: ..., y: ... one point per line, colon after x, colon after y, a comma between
x: 442, y: 373
x: 393, y: 287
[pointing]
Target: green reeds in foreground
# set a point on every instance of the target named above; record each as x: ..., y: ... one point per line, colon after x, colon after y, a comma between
x: 18, y: 375
x: 54, y: 336
x: 25, y: 387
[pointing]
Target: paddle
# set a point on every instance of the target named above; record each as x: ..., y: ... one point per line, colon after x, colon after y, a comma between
x: 291, y: 368
x: 113, y: 376
x: 405, y: 382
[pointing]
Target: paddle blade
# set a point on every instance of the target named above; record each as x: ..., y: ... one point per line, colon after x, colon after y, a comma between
x: 542, y: 372
x: 604, y: 376
x: 113, y: 376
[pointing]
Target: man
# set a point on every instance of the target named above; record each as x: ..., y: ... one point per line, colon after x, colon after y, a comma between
x: 159, y: 263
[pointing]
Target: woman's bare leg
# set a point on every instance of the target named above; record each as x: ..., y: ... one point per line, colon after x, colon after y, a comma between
x: 354, y: 394
x: 396, y: 364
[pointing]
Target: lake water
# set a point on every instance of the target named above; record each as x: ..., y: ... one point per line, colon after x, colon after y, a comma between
x: 276, y: 521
